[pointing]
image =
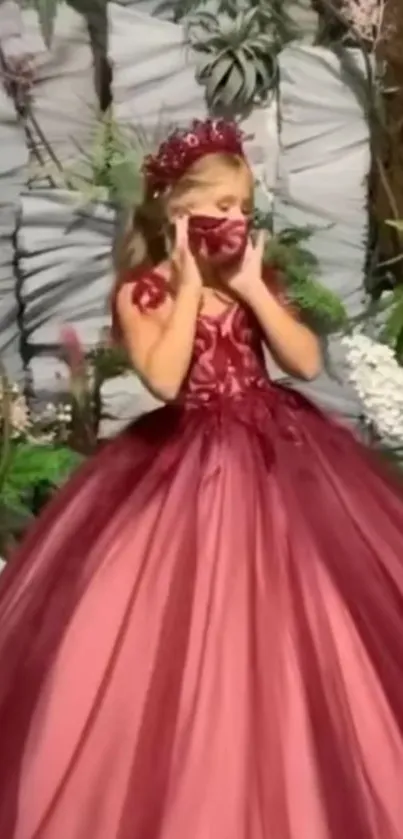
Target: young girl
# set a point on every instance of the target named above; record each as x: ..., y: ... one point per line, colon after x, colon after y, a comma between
x: 203, y: 636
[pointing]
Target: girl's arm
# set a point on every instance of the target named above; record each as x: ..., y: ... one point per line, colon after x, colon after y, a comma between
x: 160, y: 342
x: 294, y: 346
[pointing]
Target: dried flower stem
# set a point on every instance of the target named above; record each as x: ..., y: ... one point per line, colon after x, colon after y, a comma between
x: 6, y: 425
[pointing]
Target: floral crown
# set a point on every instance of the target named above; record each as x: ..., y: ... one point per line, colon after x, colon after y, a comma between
x: 185, y: 146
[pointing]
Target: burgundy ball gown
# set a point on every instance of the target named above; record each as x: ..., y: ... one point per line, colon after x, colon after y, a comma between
x: 202, y: 638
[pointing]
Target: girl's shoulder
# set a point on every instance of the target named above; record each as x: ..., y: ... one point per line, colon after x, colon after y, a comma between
x: 148, y: 287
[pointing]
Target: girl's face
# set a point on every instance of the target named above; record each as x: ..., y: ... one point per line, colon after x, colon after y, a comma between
x: 219, y: 206
x: 225, y: 197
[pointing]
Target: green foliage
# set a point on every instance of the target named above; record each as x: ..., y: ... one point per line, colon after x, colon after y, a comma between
x: 237, y: 61
x: 108, y: 362
x: 30, y: 465
x: 269, y: 11
x: 13, y: 524
x: 109, y: 169
x: 392, y: 331
x: 237, y: 50
x: 393, y: 456
x: 88, y: 373
x: 34, y: 473
x: 288, y: 251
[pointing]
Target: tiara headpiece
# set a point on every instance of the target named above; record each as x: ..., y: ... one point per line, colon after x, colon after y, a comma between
x: 185, y: 147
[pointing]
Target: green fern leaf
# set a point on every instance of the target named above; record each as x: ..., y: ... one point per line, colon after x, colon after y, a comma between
x: 299, y: 268
x: 393, y: 328
x: 31, y: 464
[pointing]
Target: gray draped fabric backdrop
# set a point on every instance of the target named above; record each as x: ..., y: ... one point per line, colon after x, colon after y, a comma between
x: 62, y: 271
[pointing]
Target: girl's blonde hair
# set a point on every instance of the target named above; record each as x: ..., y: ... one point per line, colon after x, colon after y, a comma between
x: 143, y: 243
x: 144, y: 240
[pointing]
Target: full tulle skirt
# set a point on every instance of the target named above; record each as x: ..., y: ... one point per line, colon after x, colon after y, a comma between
x: 202, y: 638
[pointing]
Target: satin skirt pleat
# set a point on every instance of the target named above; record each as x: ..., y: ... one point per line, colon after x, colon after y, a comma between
x: 202, y: 638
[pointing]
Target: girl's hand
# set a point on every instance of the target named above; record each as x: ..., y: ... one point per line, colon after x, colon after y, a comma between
x: 184, y: 265
x: 248, y: 273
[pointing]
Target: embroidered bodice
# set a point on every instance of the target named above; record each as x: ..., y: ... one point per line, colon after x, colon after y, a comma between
x: 227, y: 374
x: 228, y: 360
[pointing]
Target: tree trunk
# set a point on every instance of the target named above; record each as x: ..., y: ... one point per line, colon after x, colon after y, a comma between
x: 387, y: 197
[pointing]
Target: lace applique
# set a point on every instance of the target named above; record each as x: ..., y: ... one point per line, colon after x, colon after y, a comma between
x: 227, y: 372
x: 150, y: 291
x: 228, y: 360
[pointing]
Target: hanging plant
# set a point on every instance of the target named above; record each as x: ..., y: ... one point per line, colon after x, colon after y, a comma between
x: 237, y: 53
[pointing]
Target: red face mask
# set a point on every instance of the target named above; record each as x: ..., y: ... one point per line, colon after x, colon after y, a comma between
x: 222, y: 241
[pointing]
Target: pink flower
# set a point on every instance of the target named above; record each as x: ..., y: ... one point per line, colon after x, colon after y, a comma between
x: 73, y: 351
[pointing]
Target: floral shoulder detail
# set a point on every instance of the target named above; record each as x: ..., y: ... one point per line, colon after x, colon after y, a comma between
x: 150, y: 290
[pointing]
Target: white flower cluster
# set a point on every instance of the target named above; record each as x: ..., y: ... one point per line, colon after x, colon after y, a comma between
x: 19, y: 412
x: 378, y: 381
x: 45, y: 426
